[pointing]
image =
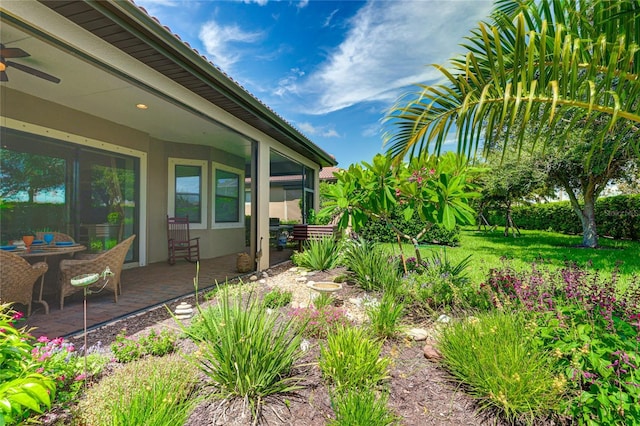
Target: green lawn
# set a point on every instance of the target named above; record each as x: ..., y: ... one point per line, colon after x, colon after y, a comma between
x: 488, y: 248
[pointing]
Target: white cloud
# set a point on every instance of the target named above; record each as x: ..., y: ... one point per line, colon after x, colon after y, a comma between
x: 388, y: 47
x: 327, y: 21
x: 220, y: 42
x: 324, y: 131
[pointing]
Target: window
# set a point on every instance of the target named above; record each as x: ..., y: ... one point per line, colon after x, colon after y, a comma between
x: 188, y: 190
x: 228, y: 200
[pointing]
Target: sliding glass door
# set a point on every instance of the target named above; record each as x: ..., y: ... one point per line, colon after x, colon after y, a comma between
x: 49, y: 185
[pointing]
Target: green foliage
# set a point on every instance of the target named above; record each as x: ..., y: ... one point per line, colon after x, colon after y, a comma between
x: 322, y: 301
x: 246, y: 352
x: 22, y: 389
x: 384, y: 317
x: 497, y: 357
x: 318, y: 322
x: 617, y: 217
x: 150, y: 391
x: 376, y: 230
x: 319, y: 254
x: 60, y: 361
x: 365, y: 407
x: 371, y: 265
x: 277, y: 298
x: 591, y: 327
x: 351, y: 360
x: 439, y: 283
x: 128, y: 348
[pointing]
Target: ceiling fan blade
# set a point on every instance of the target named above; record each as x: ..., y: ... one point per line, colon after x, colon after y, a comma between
x: 33, y: 71
x: 3, y: 76
x: 12, y: 52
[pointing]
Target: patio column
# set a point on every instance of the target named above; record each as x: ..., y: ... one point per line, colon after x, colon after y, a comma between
x: 262, y: 219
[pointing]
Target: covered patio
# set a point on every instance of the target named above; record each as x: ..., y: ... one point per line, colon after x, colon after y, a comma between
x: 142, y: 288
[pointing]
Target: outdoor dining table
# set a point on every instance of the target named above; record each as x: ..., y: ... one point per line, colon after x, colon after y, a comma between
x: 45, y: 251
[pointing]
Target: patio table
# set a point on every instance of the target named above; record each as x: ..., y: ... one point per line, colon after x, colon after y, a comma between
x: 44, y: 251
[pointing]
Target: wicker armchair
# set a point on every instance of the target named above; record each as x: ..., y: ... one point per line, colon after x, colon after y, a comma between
x: 113, y: 258
x: 17, y: 277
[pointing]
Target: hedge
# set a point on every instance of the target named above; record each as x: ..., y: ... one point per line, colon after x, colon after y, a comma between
x: 377, y: 231
x: 617, y: 217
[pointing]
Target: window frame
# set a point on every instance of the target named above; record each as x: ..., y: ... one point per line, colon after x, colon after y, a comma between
x: 171, y: 189
x: 241, y: 194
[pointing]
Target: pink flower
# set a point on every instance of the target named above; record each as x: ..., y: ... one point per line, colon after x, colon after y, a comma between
x: 18, y: 315
x: 43, y: 339
x: 57, y: 341
x: 80, y: 377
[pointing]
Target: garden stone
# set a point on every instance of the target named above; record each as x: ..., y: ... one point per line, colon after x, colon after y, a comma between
x: 310, y: 273
x: 304, y: 273
x: 263, y: 281
x: 265, y: 275
x: 430, y: 352
x: 293, y: 269
x: 444, y: 319
x: 418, y: 334
x: 253, y: 278
x: 301, y: 279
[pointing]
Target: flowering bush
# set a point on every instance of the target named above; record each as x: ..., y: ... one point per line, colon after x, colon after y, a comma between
x: 590, y: 329
x: 22, y: 389
x: 59, y: 360
x: 319, y: 322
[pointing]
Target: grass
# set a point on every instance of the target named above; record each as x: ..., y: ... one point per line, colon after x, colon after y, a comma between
x: 488, y: 248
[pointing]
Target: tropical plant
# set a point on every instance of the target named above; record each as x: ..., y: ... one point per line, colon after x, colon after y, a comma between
x: 545, y: 61
x: 22, y: 389
x: 384, y: 317
x: 372, y: 266
x: 149, y: 391
x: 246, y: 352
x: 366, y: 407
x: 496, y: 356
x: 437, y: 189
x: 319, y: 254
x: 351, y: 360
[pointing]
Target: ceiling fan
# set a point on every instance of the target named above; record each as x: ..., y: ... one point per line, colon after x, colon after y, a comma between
x: 14, y: 52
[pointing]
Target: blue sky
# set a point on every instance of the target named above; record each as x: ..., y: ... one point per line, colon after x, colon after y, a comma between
x: 332, y: 69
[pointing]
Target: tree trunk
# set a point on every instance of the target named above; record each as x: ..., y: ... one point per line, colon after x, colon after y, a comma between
x: 588, y: 219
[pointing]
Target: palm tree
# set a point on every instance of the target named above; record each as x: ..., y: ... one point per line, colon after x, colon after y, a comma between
x: 560, y: 63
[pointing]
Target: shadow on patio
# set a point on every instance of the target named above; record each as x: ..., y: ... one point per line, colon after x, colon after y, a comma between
x: 142, y: 288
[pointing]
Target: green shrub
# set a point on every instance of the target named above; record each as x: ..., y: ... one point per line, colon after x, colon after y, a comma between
x: 364, y: 407
x: 372, y: 267
x: 322, y: 300
x: 127, y: 349
x: 617, y: 217
x: 439, y: 283
x: 150, y: 391
x: 350, y: 360
x: 384, y: 317
x: 277, y: 298
x: 497, y: 357
x: 246, y: 352
x: 22, y: 389
x: 319, y: 254
x: 377, y: 231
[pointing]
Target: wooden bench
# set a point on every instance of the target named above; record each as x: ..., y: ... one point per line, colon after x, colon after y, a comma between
x: 302, y: 233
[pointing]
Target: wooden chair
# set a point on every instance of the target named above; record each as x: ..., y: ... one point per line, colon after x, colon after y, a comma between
x: 95, y: 264
x: 17, y: 277
x: 179, y: 242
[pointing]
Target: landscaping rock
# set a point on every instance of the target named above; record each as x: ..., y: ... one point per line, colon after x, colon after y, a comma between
x: 253, y: 278
x: 430, y: 352
x: 418, y: 334
x: 445, y: 319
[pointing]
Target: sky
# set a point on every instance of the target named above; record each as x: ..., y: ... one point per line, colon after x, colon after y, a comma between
x: 332, y: 69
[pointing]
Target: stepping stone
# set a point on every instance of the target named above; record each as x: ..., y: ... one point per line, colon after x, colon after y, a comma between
x: 418, y: 334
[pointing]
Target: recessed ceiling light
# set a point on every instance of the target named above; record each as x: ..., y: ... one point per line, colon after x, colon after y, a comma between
x: 142, y: 106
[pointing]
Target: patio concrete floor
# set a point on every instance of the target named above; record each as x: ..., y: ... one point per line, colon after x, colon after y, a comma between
x: 142, y: 288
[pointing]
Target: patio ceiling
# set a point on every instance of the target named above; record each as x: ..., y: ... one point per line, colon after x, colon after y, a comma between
x: 141, y: 60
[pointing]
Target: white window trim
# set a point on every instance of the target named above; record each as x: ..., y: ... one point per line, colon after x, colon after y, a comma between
x: 171, y: 206
x: 241, y: 204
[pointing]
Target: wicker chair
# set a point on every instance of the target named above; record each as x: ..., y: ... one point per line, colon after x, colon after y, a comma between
x: 92, y: 264
x: 57, y: 236
x: 17, y: 277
